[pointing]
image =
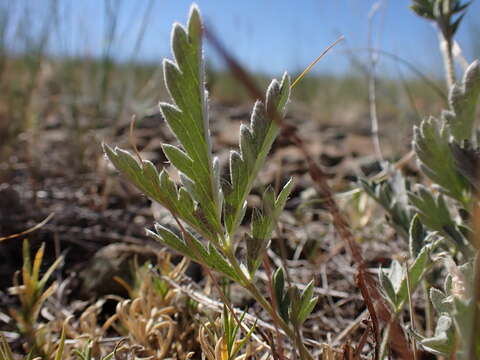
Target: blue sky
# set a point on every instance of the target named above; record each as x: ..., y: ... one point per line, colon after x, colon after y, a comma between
x: 265, y: 35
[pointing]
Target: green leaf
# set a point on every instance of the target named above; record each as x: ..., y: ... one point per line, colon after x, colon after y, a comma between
x: 392, y: 195
x: 423, y: 8
x: 387, y: 288
x: 432, y: 209
x: 454, y: 26
x: 440, y: 301
x: 463, y: 102
x: 307, y: 309
x: 160, y: 188
x: 467, y: 161
x: 434, y: 213
x: 464, y: 319
x: 415, y: 273
x: 394, y: 283
x: 307, y: 303
x: 168, y: 238
x: 279, y: 284
x: 218, y: 262
x: 256, y: 140
x: 188, y: 119
x: 193, y: 248
x: 443, y: 341
x: 179, y: 159
x: 294, y: 309
x: 282, y: 198
x: 396, y: 275
x: 417, y: 235
x: 431, y: 145
x: 263, y: 224
x: 282, y: 298
x: 145, y: 177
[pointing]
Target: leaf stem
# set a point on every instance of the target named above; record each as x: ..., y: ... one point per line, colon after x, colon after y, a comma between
x: 250, y: 286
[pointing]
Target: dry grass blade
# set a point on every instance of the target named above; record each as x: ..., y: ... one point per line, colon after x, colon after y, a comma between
x: 314, y: 62
x: 28, y: 231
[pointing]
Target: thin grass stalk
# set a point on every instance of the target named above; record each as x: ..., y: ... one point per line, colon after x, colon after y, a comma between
x: 372, y: 84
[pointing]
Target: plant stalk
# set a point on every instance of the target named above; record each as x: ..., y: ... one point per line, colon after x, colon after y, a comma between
x: 446, y: 48
x: 248, y: 285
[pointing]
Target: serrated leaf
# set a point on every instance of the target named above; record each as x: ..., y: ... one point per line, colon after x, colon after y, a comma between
x: 168, y: 238
x: 179, y: 159
x: 193, y: 248
x: 440, y: 301
x: 263, y: 223
x: 188, y: 118
x: 159, y: 188
x: 144, y: 176
x: 463, y: 102
x: 432, y: 209
x: 255, y: 143
x: 434, y: 213
x: 431, y: 144
x: 392, y: 195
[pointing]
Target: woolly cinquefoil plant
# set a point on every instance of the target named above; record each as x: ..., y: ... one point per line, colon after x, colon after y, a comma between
x: 208, y: 209
x: 440, y: 221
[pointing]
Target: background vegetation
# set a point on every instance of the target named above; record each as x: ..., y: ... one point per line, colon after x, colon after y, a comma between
x: 99, y: 288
